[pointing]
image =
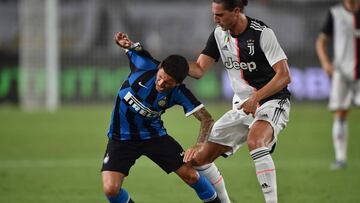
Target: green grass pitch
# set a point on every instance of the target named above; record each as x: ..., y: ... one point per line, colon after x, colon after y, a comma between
x: 56, y: 157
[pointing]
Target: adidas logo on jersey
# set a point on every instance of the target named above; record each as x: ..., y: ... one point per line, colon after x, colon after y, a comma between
x: 230, y: 64
x: 225, y: 48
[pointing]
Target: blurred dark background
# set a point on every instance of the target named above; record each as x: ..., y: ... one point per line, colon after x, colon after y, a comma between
x: 92, y: 66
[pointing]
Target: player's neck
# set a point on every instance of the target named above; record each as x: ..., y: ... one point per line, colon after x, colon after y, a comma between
x: 240, y: 26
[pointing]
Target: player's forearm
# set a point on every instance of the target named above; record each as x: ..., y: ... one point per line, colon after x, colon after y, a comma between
x: 195, y: 70
x: 281, y: 79
x: 206, y: 124
x: 321, y: 50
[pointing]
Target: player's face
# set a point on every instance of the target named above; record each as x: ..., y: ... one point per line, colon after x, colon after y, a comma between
x: 224, y: 18
x: 352, y: 5
x: 164, y: 82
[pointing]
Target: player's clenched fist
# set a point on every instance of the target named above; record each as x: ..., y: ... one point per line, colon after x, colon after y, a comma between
x: 123, y: 40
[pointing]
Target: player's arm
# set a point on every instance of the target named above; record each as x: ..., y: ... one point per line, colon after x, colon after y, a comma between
x: 321, y: 45
x: 197, y: 69
x: 123, y: 41
x: 278, y: 82
x: 206, y: 123
x: 278, y: 61
x: 208, y: 56
x: 322, y: 42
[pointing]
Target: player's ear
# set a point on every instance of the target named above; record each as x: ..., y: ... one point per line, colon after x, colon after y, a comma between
x: 237, y: 10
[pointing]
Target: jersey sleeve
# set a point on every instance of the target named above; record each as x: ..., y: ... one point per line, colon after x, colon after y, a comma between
x: 141, y: 60
x: 271, y: 47
x: 187, y: 100
x: 328, y: 27
x: 211, y: 48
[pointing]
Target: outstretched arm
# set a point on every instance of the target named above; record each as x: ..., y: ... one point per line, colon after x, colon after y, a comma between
x: 197, y: 69
x: 206, y: 123
x: 122, y: 39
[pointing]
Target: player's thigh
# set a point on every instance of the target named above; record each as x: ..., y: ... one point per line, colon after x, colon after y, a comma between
x: 209, y: 153
x: 270, y: 119
x: 260, y: 134
x: 340, y: 94
x: 166, y: 152
x: 120, y: 156
x: 231, y: 130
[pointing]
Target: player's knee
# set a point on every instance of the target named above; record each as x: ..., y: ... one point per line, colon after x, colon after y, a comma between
x: 254, y: 143
x: 111, y: 189
x: 197, y: 161
x: 190, y: 176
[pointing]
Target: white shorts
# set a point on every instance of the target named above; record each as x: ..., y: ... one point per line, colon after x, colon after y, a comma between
x: 343, y: 92
x: 233, y: 127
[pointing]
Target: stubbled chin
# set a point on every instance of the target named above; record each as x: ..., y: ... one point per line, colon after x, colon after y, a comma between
x: 159, y: 89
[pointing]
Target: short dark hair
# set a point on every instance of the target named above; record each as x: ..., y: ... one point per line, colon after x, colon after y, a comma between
x: 230, y: 5
x: 176, y: 66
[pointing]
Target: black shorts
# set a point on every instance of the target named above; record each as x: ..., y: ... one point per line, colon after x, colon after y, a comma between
x: 165, y: 151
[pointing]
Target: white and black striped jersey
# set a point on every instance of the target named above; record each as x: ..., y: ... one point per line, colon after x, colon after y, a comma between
x: 344, y: 27
x: 248, y: 57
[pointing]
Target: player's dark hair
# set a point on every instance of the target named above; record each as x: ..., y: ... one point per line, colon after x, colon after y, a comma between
x: 230, y: 5
x: 176, y: 66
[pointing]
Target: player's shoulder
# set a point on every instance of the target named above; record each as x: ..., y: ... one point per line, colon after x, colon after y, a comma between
x: 337, y: 8
x: 181, y: 90
x: 256, y: 24
x: 181, y: 87
x: 219, y: 33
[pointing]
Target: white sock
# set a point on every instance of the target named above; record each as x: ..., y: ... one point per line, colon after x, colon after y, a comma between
x: 211, y: 172
x: 265, y: 172
x: 340, y: 138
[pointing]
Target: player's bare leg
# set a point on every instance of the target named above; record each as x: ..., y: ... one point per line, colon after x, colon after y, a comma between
x: 112, y: 182
x: 204, y: 164
x: 199, y: 183
x: 260, y: 135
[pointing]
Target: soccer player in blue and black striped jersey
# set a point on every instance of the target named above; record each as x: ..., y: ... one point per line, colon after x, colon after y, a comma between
x: 136, y: 127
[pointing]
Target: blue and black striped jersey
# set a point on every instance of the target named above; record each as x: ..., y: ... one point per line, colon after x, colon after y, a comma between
x: 138, y: 106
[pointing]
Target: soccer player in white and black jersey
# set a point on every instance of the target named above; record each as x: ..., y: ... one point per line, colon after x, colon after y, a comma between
x: 259, y: 75
x: 343, y: 26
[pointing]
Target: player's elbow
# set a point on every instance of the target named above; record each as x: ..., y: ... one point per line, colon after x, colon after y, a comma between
x: 287, y: 79
x: 196, y: 74
x: 195, y: 70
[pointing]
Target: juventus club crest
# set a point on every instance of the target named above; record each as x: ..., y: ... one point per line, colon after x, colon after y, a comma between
x: 250, y: 44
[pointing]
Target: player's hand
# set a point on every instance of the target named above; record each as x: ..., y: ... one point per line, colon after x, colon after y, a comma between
x: 328, y: 68
x: 192, y: 152
x: 250, y: 105
x: 123, y: 40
